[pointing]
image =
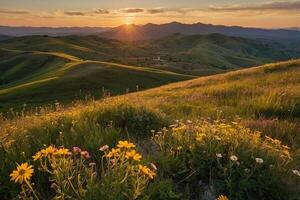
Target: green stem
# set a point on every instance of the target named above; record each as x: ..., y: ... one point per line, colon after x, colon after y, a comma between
x: 35, y: 195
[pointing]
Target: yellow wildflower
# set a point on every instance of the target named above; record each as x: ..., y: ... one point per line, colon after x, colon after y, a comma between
x: 134, y: 155
x: 62, y: 152
x: 146, y: 171
x: 37, y: 156
x: 125, y: 144
x: 48, y: 151
x: 113, y: 153
x: 222, y: 197
x: 22, y: 173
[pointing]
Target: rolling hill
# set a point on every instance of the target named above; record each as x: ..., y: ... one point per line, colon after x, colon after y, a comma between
x: 41, y: 69
x: 35, y: 77
x: 4, y: 37
x: 215, y: 53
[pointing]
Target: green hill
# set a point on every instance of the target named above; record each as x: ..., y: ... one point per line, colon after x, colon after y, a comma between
x: 215, y: 142
x: 215, y: 53
x: 37, y: 78
x: 40, y: 69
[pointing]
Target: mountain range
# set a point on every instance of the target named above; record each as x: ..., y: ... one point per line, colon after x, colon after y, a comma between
x: 51, y: 31
x: 155, y: 31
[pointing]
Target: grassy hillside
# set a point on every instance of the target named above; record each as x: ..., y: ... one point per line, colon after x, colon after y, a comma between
x: 74, y: 66
x: 37, y: 78
x: 215, y: 53
x: 178, y: 53
x: 213, y: 152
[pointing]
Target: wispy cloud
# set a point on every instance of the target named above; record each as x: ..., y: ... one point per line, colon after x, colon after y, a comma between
x: 273, y: 6
x: 133, y: 10
x: 286, y: 7
x: 75, y: 13
x: 13, y: 12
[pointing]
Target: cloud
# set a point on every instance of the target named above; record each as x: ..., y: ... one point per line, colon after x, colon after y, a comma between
x: 155, y: 10
x: 74, y: 13
x: 101, y: 11
x: 14, y: 12
x: 133, y: 10
x: 274, y: 6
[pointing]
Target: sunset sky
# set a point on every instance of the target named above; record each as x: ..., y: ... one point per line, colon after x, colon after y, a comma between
x: 57, y: 13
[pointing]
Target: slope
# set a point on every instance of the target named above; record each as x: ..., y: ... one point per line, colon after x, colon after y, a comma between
x: 265, y: 98
x: 65, y: 78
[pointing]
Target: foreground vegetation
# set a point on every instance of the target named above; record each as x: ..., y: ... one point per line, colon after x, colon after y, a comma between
x: 235, y: 135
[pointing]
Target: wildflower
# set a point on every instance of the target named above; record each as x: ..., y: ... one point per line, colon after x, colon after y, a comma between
x: 146, y: 171
x: 86, y: 154
x: 113, y: 153
x: 104, y: 148
x: 200, y: 137
x: 152, y: 131
x: 247, y: 170
x: 153, y: 166
x: 125, y: 144
x: 219, y: 155
x: 222, y: 197
x: 179, y: 148
x: 296, y: 172
x: 233, y: 158
x: 22, y: 174
x: 48, y: 151
x: 37, y: 156
x: 217, y: 138
x: 62, y: 152
x: 134, y: 155
x: 259, y: 160
x: 76, y: 150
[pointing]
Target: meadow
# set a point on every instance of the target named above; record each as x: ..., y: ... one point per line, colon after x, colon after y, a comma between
x: 228, y: 136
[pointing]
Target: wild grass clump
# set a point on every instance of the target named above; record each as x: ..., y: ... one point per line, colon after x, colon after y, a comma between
x: 226, y: 158
x: 137, y: 120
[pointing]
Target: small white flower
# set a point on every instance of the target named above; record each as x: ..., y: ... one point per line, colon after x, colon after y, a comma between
x: 219, y: 155
x: 152, y: 131
x: 296, y: 172
x: 247, y: 170
x: 233, y: 158
x: 153, y: 166
x: 179, y: 148
x: 259, y: 160
x: 104, y: 148
x: 189, y: 121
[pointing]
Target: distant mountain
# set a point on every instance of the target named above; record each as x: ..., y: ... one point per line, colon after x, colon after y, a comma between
x: 154, y: 31
x: 294, y: 28
x: 62, y: 31
x: 4, y: 37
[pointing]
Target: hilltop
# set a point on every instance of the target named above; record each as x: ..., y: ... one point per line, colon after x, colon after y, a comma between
x: 212, y: 112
